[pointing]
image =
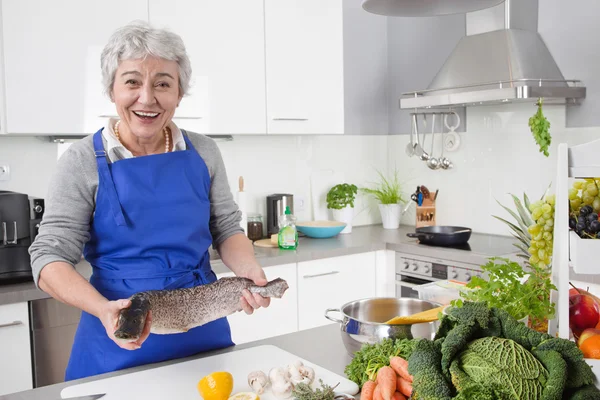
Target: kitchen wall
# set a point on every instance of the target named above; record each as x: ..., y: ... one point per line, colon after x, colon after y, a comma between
x: 497, y: 156
x: 305, y: 166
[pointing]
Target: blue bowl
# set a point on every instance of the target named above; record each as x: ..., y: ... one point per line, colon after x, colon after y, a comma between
x: 321, y: 229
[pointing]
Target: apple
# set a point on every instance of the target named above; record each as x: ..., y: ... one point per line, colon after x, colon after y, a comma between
x: 583, y: 313
x: 589, y: 332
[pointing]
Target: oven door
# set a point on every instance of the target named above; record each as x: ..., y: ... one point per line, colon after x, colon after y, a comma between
x: 405, y: 286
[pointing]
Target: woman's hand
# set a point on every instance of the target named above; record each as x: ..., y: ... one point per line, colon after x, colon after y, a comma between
x: 252, y: 301
x: 109, y: 316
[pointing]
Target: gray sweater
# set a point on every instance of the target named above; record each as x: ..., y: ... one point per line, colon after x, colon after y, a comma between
x: 71, y: 200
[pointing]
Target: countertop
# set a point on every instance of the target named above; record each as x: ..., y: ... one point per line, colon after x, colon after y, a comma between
x: 362, y: 239
x: 326, y: 350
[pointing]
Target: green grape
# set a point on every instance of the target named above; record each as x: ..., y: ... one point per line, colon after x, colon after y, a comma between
x: 551, y: 199
x: 534, y: 229
x: 534, y: 259
x: 547, y: 216
x: 550, y: 222
x: 539, y: 237
x: 577, y: 184
x: 548, y: 236
x: 573, y: 194
x: 541, y: 244
x: 533, y: 244
x: 548, y: 228
x: 575, y: 204
x: 541, y: 221
x: 546, y: 208
x: 536, y: 213
x: 596, y: 204
x: 592, y: 190
x: 588, y: 200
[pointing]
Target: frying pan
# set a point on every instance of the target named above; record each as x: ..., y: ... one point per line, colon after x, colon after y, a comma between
x: 442, y: 235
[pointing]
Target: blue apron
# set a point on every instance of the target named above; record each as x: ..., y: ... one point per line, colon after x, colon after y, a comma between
x: 150, y: 231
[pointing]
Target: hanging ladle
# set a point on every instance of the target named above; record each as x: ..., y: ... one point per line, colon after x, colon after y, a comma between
x: 433, y: 162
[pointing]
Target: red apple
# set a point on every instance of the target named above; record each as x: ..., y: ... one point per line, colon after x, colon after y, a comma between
x: 583, y: 313
x: 589, y: 332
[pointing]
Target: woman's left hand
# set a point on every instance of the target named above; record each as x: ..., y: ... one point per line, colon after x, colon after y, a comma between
x: 252, y: 301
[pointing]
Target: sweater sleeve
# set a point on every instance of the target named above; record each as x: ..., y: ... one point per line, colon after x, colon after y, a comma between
x: 225, y: 216
x: 65, y: 225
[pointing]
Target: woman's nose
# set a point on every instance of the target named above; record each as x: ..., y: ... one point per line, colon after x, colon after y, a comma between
x: 147, y: 95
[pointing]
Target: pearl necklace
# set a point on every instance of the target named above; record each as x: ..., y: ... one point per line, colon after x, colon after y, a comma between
x: 165, y: 133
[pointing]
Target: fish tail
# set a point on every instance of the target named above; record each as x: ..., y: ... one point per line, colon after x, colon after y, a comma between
x: 275, y: 288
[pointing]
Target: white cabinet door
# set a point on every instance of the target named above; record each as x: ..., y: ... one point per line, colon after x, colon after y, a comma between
x: 385, y: 273
x: 280, y: 318
x: 15, y: 351
x: 332, y: 282
x: 52, y: 62
x: 225, y: 42
x: 305, y: 77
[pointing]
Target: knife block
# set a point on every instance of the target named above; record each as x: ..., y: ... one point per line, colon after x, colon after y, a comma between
x: 426, y: 214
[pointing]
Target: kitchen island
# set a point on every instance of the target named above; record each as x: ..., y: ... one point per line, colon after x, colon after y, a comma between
x: 322, y: 346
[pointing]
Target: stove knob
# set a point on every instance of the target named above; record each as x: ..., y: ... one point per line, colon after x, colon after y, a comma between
x: 468, y: 277
x: 415, y: 266
x: 454, y: 274
x: 426, y: 269
x: 405, y: 265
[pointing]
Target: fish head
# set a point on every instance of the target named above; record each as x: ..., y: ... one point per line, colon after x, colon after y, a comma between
x: 132, y: 320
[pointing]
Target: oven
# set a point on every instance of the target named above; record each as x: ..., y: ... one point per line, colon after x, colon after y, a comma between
x: 415, y: 270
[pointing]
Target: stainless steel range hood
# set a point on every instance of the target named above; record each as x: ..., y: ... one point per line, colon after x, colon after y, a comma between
x: 497, y: 67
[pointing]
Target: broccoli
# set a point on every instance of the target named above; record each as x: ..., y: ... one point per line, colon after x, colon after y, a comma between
x: 480, y: 392
x: 424, y: 366
x: 454, y: 343
x: 587, y: 392
x: 518, y: 332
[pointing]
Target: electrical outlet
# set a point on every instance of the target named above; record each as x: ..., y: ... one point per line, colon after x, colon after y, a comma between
x: 299, y: 204
x: 4, y: 172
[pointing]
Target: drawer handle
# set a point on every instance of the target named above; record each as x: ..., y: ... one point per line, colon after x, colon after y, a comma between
x: 14, y: 323
x: 324, y: 274
x: 289, y: 119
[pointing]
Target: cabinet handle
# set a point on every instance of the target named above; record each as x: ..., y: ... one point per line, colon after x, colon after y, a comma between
x: 289, y: 119
x: 324, y: 274
x: 14, y: 323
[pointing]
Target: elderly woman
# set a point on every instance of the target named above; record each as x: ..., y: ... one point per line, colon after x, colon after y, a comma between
x: 144, y: 200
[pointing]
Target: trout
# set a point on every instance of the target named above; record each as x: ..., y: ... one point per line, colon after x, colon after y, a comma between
x: 179, y: 310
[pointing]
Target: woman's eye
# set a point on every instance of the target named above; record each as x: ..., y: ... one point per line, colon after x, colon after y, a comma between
x: 164, y: 84
x: 130, y: 82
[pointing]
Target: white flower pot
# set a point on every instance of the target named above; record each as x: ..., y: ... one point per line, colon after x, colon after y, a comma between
x: 346, y: 215
x: 390, y: 215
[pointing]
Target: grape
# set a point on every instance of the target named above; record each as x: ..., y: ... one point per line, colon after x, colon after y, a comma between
x: 588, y: 200
x: 573, y: 193
x: 594, y: 226
x: 534, y: 229
x: 596, y: 204
x: 541, y: 244
x: 549, y: 223
x: 548, y: 236
x: 579, y: 228
x: 539, y: 237
x: 541, y: 221
x: 572, y: 223
x: 592, y: 189
x: 581, y: 219
x: 592, y: 217
x: 585, y: 210
x: 575, y: 203
x: 534, y: 259
x: 577, y: 185
x: 546, y: 208
x: 536, y: 213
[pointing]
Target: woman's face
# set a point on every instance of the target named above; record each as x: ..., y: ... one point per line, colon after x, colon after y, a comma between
x: 146, y: 94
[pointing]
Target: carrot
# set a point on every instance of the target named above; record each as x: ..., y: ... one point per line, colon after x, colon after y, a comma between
x: 377, y: 393
x: 386, y: 379
x: 368, y: 390
x: 398, y: 396
x: 404, y: 386
x: 400, y: 365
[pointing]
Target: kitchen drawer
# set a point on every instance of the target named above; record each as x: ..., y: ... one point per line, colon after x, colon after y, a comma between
x: 15, y: 349
x: 332, y: 282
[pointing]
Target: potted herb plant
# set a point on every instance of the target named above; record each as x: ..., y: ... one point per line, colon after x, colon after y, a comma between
x: 340, y: 199
x: 388, y: 193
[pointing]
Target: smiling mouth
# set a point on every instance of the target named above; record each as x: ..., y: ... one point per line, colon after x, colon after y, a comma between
x: 146, y: 115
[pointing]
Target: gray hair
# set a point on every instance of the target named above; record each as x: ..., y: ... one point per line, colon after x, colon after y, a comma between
x: 139, y: 40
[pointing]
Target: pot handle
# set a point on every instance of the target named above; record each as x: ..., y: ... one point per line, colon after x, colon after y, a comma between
x: 421, y: 236
x: 331, y: 318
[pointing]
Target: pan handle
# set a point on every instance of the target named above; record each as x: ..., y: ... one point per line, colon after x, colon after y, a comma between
x: 413, y: 235
x: 331, y: 318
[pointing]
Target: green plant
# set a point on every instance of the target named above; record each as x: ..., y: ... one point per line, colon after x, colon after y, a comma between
x: 540, y: 126
x: 341, y: 195
x: 509, y: 287
x: 387, y: 190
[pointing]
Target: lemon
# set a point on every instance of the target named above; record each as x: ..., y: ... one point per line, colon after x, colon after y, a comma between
x: 245, y: 396
x: 216, y: 386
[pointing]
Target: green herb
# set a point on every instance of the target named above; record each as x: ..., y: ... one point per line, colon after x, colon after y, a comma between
x: 371, y: 357
x: 303, y: 391
x: 539, y: 126
x: 504, y: 290
x: 387, y: 191
x: 341, y: 195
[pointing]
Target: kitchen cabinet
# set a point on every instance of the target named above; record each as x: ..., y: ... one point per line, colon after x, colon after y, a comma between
x: 52, y: 73
x: 280, y: 318
x: 15, y: 368
x: 326, y: 68
x: 225, y: 43
x: 385, y: 273
x: 332, y: 282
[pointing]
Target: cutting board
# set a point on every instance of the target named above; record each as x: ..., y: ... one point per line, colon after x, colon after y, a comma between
x: 178, y: 381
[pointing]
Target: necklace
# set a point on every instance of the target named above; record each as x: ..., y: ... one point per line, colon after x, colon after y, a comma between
x: 165, y: 133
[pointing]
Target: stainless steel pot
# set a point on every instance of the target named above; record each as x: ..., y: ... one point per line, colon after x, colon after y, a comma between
x: 364, y: 321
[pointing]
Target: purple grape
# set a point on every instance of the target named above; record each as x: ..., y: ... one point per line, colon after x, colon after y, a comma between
x: 585, y: 210
x: 594, y: 226
x: 581, y: 220
x: 592, y: 217
x: 572, y: 222
x: 579, y: 228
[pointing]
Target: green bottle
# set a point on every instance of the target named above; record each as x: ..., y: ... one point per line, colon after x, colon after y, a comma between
x: 288, y: 234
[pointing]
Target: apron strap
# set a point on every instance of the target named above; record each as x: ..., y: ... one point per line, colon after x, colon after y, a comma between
x: 106, y: 176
